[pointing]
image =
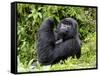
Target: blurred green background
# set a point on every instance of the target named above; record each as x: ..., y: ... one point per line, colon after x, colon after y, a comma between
x: 29, y: 19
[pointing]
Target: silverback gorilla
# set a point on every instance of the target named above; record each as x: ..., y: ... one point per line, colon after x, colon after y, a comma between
x: 61, y: 44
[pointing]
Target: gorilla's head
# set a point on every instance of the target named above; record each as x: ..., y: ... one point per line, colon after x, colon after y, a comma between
x: 67, y: 28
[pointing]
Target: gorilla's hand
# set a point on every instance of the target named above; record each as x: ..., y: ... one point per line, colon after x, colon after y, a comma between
x: 59, y: 41
x: 48, y: 24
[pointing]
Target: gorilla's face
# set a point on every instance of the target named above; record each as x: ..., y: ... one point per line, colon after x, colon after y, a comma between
x: 67, y: 28
x: 64, y: 28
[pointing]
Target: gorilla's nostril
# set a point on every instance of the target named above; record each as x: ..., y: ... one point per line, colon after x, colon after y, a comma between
x: 66, y: 30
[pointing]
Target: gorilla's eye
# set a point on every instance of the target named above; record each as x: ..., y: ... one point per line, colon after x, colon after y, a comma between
x: 65, y: 26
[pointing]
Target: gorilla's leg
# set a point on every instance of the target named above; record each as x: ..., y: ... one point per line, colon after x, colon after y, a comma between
x: 46, y: 42
x: 68, y: 48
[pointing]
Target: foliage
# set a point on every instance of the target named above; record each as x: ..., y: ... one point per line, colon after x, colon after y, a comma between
x: 29, y: 19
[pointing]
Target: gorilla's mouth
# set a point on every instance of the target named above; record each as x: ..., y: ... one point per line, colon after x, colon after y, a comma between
x: 63, y: 32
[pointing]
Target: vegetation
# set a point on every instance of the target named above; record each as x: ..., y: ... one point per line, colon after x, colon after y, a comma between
x: 29, y: 19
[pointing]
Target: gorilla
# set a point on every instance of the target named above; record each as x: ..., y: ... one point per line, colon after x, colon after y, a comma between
x: 60, y: 44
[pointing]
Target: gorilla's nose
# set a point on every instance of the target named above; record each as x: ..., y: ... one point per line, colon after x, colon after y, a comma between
x: 64, y: 31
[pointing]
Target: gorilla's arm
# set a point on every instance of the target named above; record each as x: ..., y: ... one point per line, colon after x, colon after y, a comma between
x: 46, y: 42
x: 58, y: 40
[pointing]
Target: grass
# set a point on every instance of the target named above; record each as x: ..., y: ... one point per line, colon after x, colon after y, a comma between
x: 87, y: 59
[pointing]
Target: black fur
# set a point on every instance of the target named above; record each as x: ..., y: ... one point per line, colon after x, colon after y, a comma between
x: 51, y: 48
